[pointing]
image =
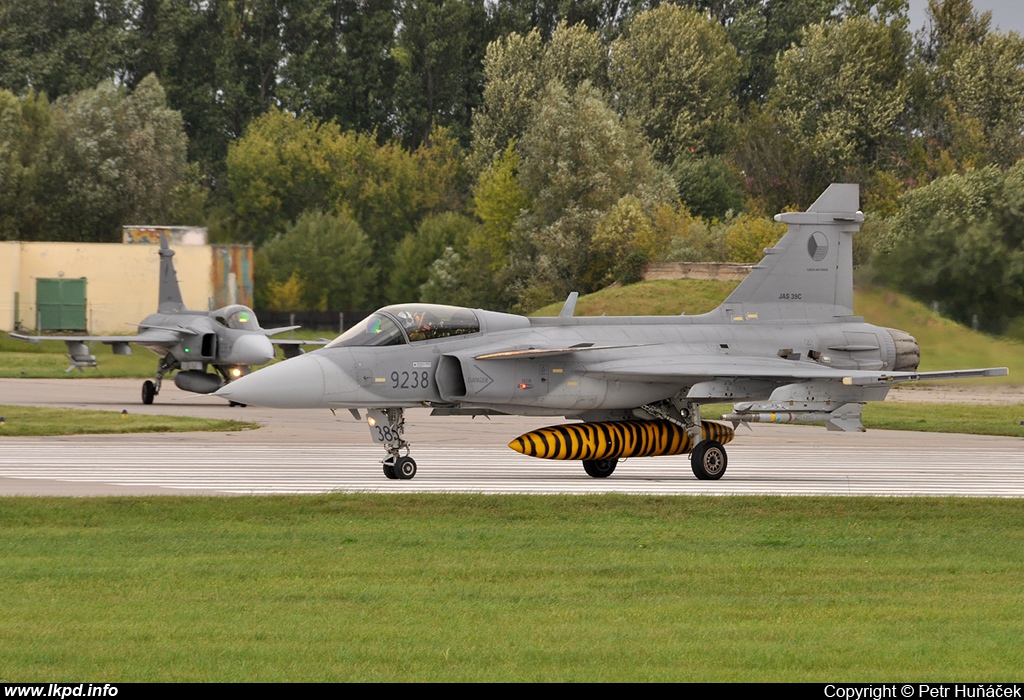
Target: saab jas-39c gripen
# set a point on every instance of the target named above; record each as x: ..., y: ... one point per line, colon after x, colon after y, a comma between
x: 783, y: 347
x: 229, y: 339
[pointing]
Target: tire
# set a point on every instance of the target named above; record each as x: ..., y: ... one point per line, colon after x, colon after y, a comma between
x: 405, y: 468
x: 708, y: 460
x: 148, y: 392
x: 600, y: 468
x: 389, y: 467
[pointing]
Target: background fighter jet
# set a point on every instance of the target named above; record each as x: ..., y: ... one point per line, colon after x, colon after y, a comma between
x: 229, y: 339
x: 783, y: 347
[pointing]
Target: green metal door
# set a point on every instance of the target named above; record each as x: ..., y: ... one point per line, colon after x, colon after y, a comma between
x: 61, y: 304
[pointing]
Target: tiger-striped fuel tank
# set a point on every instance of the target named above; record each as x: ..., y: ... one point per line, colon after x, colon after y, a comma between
x: 630, y: 438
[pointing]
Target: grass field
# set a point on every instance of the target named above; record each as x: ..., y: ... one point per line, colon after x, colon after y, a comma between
x: 24, y: 421
x: 505, y: 588
x: 974, y: 419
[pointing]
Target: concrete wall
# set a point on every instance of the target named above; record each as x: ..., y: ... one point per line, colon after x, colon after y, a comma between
x: 122, y: 280
x: 722, y: 272
x: 10, y: 278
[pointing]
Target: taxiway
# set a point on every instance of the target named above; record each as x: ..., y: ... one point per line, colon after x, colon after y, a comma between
x: 314, y: 451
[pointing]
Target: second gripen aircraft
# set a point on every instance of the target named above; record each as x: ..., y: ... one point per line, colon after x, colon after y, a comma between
x: 785, y: 346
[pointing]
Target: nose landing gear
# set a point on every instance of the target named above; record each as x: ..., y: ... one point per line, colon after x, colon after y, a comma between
x: 387, y: 427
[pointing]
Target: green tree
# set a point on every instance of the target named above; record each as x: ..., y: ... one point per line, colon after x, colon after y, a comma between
x: 440, y: 51
x: 675, y: 73
x: 853, y: 116
x: 967, y: 92
x: 578, y: 160
x: 115, y: 158
x: 623, y: 240
x: 512, y: 81
x: 959, y: 241
x: 411, y: 264
x: 498, y: 201
x: 986, y: 90
x: 710, y: 186
x: 58, y: 47
x: 761, y: 30
x: 24, y: 135
x: 285, y: 165
x: 747, y: 236
x: 341, y: 63
x: 516, y: 69
x: 327, y: 257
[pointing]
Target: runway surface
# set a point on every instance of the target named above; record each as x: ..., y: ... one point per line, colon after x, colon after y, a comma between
x: 317, y: 452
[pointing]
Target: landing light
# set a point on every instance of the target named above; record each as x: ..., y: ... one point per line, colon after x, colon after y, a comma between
x: 371, y: 421
x: 236, y: 372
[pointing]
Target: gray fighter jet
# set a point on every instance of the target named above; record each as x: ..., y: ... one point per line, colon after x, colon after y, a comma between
x: 783, y: 347
x: 229, y: 340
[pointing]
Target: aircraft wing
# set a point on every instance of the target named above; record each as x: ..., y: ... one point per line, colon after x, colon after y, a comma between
x: 154, y: 336
x: 675, y: 370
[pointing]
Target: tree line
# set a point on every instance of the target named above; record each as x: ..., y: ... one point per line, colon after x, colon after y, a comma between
x: 501, y: 154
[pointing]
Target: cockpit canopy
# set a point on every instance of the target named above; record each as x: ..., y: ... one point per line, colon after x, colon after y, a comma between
x: 238, y: 317
x: 409, y: 323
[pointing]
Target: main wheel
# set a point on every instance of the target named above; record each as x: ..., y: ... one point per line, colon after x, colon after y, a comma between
x: 389, y: 467
x: 708, y: 460
x: 600, y: 468
x: 405, y: 467
x: 148, y: 392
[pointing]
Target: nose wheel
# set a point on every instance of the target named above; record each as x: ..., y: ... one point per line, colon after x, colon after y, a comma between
x: 399, y: 467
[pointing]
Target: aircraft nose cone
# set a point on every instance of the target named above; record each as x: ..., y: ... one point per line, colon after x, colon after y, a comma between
x: 294, y: 383
x: 251, y: 349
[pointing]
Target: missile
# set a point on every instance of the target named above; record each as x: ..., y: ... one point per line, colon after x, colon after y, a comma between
x: 614, y: 439
x: 779, y: 417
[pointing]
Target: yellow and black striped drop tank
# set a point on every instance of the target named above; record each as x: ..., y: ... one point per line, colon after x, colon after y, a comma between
x: 614, y: 439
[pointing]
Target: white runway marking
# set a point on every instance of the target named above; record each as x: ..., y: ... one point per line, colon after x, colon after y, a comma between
x: 289, y: 468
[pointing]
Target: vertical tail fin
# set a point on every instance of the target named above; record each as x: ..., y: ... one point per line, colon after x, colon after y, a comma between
x: 809, y: 273
x: 170, y: 294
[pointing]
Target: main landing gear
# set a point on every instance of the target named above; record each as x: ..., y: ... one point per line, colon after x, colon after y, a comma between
x: 600, y: 468
x: 150, y: 388
x: 387, y: 426
x: 707, y: 458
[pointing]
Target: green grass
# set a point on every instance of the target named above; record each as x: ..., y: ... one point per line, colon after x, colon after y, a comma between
x: 655, y: 298
x: 974, y: 419
x: 944, y: 343
x: 504, y: 588
x: 35, y: 421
